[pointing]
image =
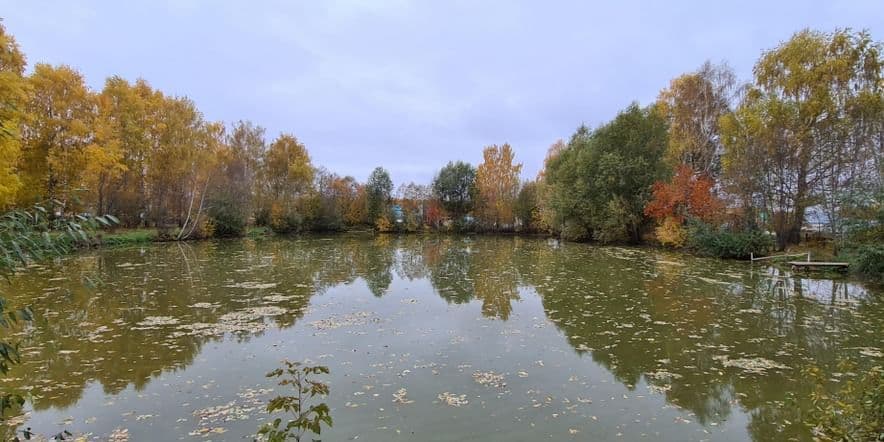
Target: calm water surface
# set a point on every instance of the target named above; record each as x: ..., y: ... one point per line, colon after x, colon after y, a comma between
x: 536, y: 340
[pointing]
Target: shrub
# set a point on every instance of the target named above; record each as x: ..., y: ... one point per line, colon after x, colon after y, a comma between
x: 466, y: 224
x: 262, y: 217
x: 868, y: 259
x: 227, y: 219
x: 573, y: 231
x: 165, y: 234
x: 412, y: 222
x: 327, y: 222
x: 864, y: 247
x: 205, y: 228
x: 614, y: 225
x: 258, y: 232
x: 723, y: 243
x: 384, y: 225
x: 330, y: 224
x: 285, y: 220
x: 671, y: 233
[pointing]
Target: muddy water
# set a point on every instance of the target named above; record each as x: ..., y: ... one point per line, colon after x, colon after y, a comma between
x: 433, y: 338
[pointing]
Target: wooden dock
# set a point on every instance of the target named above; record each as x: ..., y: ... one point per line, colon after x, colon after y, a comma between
x: 814, y: 265
x: 753, y: 258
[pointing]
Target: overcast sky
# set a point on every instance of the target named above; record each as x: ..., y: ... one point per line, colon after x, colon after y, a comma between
x: 411, y: 85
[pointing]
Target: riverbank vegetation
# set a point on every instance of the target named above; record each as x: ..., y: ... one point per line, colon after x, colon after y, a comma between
x: 715, y: 165
x: 27, y: 236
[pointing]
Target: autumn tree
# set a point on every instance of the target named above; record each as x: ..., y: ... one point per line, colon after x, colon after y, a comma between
x: 174, y: 161
x: 808, y: 130
x: 338, y: 197
x: 247, y: 142
x: 689, y: 195
x: 349, y: 197
x: 455, y: 188
x: 206, y: 168
x: 128, y: 126
x: 61, y: 113
x: 288, y: 174
x: 228, y: 197
x: 120, y: 135
x: 434, y: 215
x: 231, y: 195
x: 497, y: 183
x: 288, y: 168
x: 414, y: 199
x: 545, y: 218
x: 693, y: 104
x: 379, y: 190
x: 411, y: 196
x: 552, y: 153
x: 13, y: 95
x: 357, y: 214
x: 153, y: 156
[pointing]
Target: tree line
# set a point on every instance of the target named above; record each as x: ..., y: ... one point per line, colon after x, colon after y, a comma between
x: 713, y: 163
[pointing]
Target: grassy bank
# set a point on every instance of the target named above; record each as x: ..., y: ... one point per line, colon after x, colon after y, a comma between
x: 122, y: 237
x: 128, y: 236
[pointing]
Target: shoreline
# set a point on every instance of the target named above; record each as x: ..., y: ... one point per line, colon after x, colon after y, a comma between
x: 141, y: 236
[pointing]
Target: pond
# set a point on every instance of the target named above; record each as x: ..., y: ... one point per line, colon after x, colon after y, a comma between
x: 433, y: 338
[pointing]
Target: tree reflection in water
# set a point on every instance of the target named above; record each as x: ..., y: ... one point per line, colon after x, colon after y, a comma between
x: 648, y: 317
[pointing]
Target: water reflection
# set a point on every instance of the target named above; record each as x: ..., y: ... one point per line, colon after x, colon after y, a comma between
x: 673, y: 323
x: 784, y: 284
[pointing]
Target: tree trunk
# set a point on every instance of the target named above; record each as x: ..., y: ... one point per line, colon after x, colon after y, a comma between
x: 796, y: 225
x: 797, y: 221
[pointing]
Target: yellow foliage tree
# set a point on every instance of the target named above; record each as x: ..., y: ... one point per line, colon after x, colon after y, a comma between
x: 288, y: 181
x: 806, y: 135
x: 104, y: 166
x: 13, y: 95
x: 693, y: 104
x: 671, y: 232
x: 174, y: 159
x: 544, y: 219
x: 56, y: 133
x: 126, y: 126
x: 356, y: 212
x: 288, y: 167
x: 497, y: 180
x: 383, y: 224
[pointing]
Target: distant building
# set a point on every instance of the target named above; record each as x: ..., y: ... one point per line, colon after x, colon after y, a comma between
x: 398, y: 213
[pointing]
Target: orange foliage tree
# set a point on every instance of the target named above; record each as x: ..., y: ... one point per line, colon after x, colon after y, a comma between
x: 687, y: 195
x: 435, y: 214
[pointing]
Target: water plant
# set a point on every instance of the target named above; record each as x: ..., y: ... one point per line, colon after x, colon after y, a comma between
x: 305, y: 416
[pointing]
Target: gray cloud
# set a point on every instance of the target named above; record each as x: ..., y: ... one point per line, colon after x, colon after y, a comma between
x: 408, y: 84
